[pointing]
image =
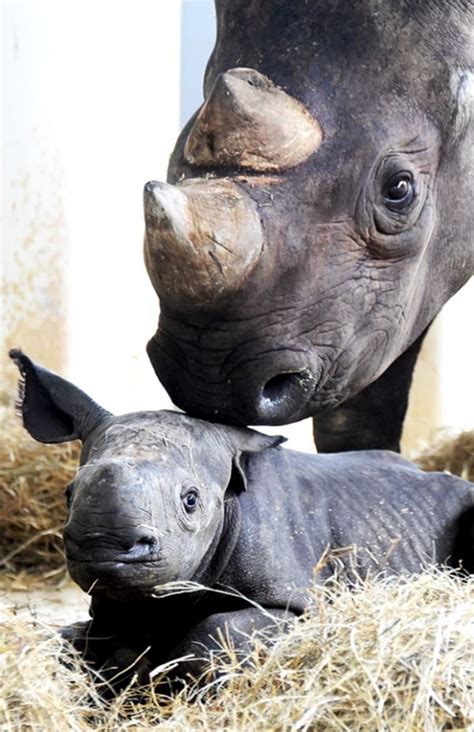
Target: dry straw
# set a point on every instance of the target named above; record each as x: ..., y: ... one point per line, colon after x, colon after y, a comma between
x: 395, y: 656
x: 452, y: 453
x: 33, y: 478
x: 388, y: 656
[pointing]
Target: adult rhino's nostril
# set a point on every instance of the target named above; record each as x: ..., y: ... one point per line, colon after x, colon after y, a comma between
x: 283, y: 386
x: 278, y: 386
x: 283, y: 395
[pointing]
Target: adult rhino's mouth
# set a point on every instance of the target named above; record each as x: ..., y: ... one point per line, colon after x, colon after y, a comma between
x: 271, y: 388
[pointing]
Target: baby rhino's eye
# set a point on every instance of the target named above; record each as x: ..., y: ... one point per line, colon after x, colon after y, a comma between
x: 190, y: 499
x: 68, y: 494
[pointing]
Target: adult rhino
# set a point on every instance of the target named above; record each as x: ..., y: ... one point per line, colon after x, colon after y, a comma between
x: 318, y: 214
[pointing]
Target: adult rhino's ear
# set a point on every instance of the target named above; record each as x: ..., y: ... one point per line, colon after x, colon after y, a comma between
x: 53, y: 409
x: 245, y: 441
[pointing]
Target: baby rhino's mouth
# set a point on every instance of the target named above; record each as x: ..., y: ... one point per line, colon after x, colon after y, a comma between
x: 116, y: 578
x: 123, y: 561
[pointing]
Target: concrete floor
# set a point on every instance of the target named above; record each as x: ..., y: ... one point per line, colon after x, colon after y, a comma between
x: 53, y: 605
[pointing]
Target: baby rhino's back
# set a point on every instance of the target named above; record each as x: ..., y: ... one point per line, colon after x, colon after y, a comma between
x: 399, y: 517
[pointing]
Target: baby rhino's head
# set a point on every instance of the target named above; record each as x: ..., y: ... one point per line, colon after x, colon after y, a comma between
x: 148, y: 503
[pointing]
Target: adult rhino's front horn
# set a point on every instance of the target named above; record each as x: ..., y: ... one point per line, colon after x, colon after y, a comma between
x: 202, y: 238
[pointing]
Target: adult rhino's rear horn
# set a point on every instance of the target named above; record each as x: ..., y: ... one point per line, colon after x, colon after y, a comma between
x: 202, y: 238
x: 249, y: 122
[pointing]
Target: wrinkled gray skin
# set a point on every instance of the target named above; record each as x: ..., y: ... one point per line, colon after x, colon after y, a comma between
x: 330, y: 319
x: 263, y: 520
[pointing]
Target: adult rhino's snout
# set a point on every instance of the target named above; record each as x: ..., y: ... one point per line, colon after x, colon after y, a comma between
x: 202, y: 238
x: 235, y: 388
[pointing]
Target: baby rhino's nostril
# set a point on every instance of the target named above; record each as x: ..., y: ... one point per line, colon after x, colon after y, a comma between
x: 141, y: 538
x: 137, y: 542
x: 150, y: 540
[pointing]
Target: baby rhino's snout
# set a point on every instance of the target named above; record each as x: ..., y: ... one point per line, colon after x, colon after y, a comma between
x: 109, y: 515
x: 125, y: 544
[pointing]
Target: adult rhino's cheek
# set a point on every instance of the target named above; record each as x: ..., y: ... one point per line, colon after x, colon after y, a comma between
x: 363, y: 359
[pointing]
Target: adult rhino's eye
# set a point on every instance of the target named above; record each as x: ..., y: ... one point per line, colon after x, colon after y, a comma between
x: 399, y: 192
x: 190, y: 500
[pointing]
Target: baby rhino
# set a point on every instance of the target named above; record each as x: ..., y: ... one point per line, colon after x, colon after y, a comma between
x: 163, y: 498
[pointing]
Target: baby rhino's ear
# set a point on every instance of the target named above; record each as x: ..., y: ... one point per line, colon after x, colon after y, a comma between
x: 245, y: 441
x: 53, y: 409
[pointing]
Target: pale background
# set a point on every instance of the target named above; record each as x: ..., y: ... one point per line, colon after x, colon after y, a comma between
x: 94, y: 95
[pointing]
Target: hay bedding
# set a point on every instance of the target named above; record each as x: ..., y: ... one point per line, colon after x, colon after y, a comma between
x: 33, y: 478
x: 454, y: 454
x: 390, y: 656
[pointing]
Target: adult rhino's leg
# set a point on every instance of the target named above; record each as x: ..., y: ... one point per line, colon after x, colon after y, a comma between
x: 234, y: 628
x: 373, y: 419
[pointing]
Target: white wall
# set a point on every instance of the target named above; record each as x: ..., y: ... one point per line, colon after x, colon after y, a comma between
x: 198, y: 32
x: 94, y: 95
x: 456, y: 360
x: 91, y: 113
